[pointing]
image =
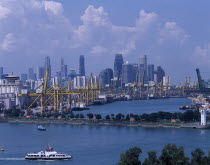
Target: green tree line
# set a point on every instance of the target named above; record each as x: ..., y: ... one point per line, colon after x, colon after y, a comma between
x: 170, y: 155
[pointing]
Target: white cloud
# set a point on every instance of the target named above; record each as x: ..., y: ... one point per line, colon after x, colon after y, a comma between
x: 201, y: 56
x: 8, y: 42
x: 3, y: 12
x: 35, y: 28
x: 53, y: 7
x: 172, y: 32
x: 145, y: 20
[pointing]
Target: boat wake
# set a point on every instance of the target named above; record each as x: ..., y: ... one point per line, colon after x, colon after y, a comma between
x: 1, y: 159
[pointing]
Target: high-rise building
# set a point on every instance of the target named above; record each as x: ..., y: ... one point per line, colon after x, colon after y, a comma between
x: 62, y: 68
x: 82, y: 65
x: 65, y: 70
x: 135, y: 71
x: 72, y: 74
x: 128, y: 73
x: 118, y: 62
x: 143, y: 68
x: 160, y: 74
x: 40, y: 72
x: 80, y: 82
x: 105, y: 76
x: 48, y: 66
x: 30, y: 74
x: 24, y: 77
x: 1, y: 71
x: 151, y: 71
x: 166, y: 80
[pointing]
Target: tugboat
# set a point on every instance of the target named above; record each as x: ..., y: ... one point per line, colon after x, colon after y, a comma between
x: 48, y: 154
x: 41, y: 128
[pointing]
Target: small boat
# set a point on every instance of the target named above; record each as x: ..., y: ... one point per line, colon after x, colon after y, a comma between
x: 80, y: 107
x: 2, y: 149
x: 48, y: 154
x: 41, y: 128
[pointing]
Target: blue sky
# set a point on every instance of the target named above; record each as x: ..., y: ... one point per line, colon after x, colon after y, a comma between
x: 174, y: 34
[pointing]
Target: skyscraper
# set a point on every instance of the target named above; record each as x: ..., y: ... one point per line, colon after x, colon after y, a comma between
x: 48, y: 66
x: 1, y: 71
x: 143, y: 68
x: 160, y: 74
x: 118, y: 62
x: 72, y: 74
x: 82, y: 65
x: 135, y: 71
x: 31, y: 74
x: 40, y: 72
x: 24, y: 77
x: 127, y: 73
x: 105, y: 76
x: 62, y: 67
x: 151, y: 70
x: 65, y: 70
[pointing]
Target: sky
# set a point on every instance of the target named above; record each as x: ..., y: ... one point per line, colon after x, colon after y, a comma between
x: 173, y: 34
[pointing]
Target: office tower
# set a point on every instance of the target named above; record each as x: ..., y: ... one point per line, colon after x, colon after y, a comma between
x: 72, y: 74
x: 30, y: 74
x: 127, y: 73
x: 62, y: 68
x: 80, y: 82
x: 65, y: 70
x: 118, y: 62
x: 40, y: 72
x: 34, y: 76
x: 82, y: 65
x: 24, y: 77
x: 160, y: 74
x: 143, y: 68
x: 135, y: 71
x: 166, y: 80
x: 1, y: 71
x: 48, y: 66
x: 105, y: 76
x: 151, y: 70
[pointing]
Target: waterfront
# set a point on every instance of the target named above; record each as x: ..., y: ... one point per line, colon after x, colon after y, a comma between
x: 98, y: 144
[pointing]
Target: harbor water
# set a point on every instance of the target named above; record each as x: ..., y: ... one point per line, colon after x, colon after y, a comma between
x: 96, y: 145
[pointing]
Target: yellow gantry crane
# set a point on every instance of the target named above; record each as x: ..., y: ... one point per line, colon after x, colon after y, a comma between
x: 54, y: 95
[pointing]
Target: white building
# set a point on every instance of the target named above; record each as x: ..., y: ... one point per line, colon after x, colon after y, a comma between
x: 80, y: 82
x: 9, y: 89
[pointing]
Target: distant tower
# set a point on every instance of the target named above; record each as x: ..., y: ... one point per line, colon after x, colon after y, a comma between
x: 1, y: 71
x: 160, y: 74
x: 24, y: 77
x: 82, y: 65
x: 48, y: 66
x: 128, y: 73
x: 143, y: 68
x: 40, y: 72
x: 118, y: 62
x: 30, y: 74
x: 105, y: 76
x: 151, y: 72
x: 62, y: 67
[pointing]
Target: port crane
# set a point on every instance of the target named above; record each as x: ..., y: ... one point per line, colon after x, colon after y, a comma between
x: 52, y: 95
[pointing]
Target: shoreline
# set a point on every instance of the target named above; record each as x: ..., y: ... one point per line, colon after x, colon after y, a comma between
x: 91, y: 122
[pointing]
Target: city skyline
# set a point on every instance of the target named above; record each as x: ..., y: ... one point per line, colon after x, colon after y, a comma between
x: 175, y: 42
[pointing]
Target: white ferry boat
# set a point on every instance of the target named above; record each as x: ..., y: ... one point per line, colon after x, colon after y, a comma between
x: 41, y: 128
x: 48, y: 154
